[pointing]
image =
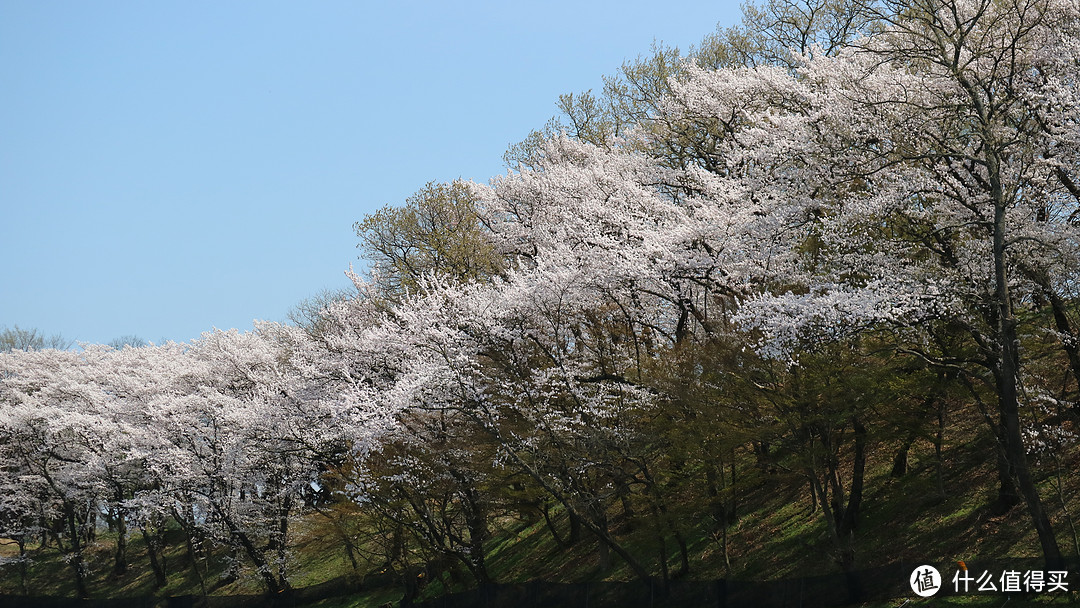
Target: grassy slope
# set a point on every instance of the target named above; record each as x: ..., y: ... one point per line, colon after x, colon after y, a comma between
x: 777, y: 535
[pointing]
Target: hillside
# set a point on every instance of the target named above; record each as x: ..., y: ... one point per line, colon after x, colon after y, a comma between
x: 777, y: 536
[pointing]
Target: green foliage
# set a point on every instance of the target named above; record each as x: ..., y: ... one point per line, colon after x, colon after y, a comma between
x: 436, y: 234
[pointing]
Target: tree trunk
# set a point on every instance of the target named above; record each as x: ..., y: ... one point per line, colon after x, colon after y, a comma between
x: 575, y: 528
x: 273, y: 584
x: 156, y: 563
x: 546, y: 510
x: 21, y: 541
x: 1008, y: 372
x: 76, y: 555
x: 1069, y: 342
x: 850, y: 519
x: 282, y: 539
x: 1008, y: 494
x: 476, y: 519
x: 684, y: 557
x: 120, y: 565
x: 194, y: 557
x: 602, y: 547
x: 900, y: 461
x: 661, y: 547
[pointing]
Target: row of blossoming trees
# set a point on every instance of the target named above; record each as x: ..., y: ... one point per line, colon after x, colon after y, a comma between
x: 796, y: 248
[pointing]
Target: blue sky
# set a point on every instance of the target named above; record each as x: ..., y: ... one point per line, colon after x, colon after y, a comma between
x: 170, y: 167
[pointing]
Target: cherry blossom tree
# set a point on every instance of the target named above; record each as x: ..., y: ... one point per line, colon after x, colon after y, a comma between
x: 926, y: 163
x: 735, y: 258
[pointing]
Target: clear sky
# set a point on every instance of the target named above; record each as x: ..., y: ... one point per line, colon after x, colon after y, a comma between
x: 171, y: 167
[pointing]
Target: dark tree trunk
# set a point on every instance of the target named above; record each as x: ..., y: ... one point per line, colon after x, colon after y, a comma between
x: 282, y: 538
x: 157, y: 564
x: 273, y: 583
x: 77, y: 562
x: 21, y: 541
x: 849, y: 522
x: 1069, y: 342
x: 1008, y: 494
x: 546, y: 510
x: 603, y: 544
x: 900, y: 461
x: 120, y: 565
x: 476, y: 520
x: 575, y: 528
x: 684, y: 557
x: 193, y: 557
x: 661, y: 547
x: 1008, y: 369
